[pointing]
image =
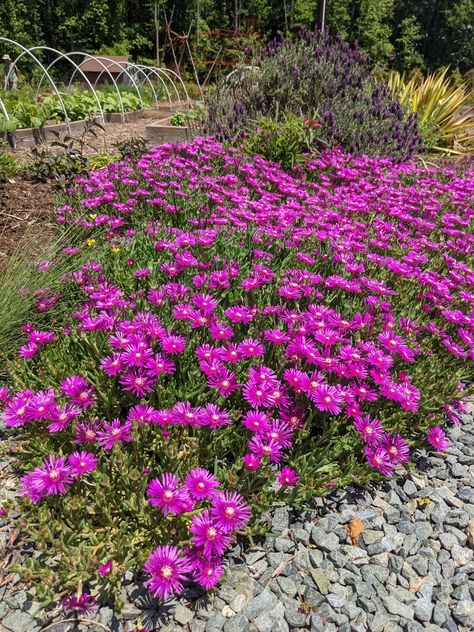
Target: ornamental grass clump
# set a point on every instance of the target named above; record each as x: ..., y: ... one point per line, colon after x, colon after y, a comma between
x: 239, y: 336
x: 317, y: 77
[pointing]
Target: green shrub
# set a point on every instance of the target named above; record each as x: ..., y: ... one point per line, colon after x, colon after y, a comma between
x: 316, y: 75
x: 285, y: 140
x: 8, y: 165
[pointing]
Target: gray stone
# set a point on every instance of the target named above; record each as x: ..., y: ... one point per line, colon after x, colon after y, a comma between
x: 20, y: 621
x: 316, y: 557
x: 321, y: 580
x: 463, y: 612
x: 448, y: 540
x: 318, y: 625
x: 380, y: 620
x: 392, y: 542
x: 295, y: 618
x: 419, y: 564
x: 301, y: 535
x: 369, y: 536
x: 215, y: 623
x: 243, y: 584
x: 183, y: 615
x: 275, y: 559
x: 253, y: 556
x: 239, y: 623
x: 409, y: 488
x: 239, y: 602
x: 312, y: 597
x: 423, y: 530
x: 284, y: 545
x: 268, y: 623
x: 441, y: 613
x: 336, y: 601
x: 366, y: 603
x: 423, y: 609
x: 395, y: 607
x: 461, y: 555
x: 372, y: 572
x: 265, y: 601
x: 130, y: 611
x: 457, y: 518
x: 281, y: 519
x: 287, y: 585
x: 330, y: 542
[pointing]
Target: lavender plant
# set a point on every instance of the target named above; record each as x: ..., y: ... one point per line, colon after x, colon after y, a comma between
x: 322, y: 74
x: 240, y: 335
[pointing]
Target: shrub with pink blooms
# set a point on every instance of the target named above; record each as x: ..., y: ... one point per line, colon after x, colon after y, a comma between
x: 240, y: 336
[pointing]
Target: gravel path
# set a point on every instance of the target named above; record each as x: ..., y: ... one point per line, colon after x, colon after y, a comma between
x: 410, y: 568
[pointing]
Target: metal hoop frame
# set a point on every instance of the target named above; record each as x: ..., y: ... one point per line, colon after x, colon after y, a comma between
x: 77, y: 68
x: 26, y: 51
x: 119, y: 94
x: 141, y: 70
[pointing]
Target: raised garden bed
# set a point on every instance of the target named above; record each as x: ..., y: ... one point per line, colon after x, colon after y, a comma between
x: 163, y: 132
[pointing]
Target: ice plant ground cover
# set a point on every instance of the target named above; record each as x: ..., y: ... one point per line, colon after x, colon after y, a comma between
x: 240, y: 335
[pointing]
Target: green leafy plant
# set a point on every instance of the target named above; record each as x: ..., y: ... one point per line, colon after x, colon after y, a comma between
x: 178, y: 120
x: 133, y: 148
x: 287, y: 140
x: 67, y: 160
x: 8, y: 164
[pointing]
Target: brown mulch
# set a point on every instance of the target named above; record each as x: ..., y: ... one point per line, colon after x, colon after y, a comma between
x: 27, y: 209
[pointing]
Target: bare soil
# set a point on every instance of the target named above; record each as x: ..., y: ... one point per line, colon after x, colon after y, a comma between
x: 27, y: 209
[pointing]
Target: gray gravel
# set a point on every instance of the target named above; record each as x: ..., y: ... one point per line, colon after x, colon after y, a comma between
x: 412, y: 568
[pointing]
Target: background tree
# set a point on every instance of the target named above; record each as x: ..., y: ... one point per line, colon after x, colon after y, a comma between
x: 402, y: 33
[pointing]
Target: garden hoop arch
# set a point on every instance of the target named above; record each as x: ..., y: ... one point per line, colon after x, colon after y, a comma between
x: 181, y: 82
x: 143, y: 70
x: 118, y: 63
x: 135, y: 75
x: 26, y: 51
x: 65, y: 56
x: 114, y: 83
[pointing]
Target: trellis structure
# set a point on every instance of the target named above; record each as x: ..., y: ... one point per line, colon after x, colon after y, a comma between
x: 138, y: 75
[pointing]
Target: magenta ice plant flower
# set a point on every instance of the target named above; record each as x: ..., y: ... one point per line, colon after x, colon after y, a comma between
x: 115, y: 432
x: 168, y: 568
x: 201, y: 484
x: 230, y: 511
x: 169, y: 495
x: 437, y: 438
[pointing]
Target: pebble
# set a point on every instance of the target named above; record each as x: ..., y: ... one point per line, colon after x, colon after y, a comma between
x: 409, y: 571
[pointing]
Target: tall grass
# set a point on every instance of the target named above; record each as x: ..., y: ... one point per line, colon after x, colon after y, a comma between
x: 27, y: 272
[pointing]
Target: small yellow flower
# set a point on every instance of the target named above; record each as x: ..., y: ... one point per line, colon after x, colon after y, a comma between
x: 90, y: 242
x: 93, y: 215
x: 115, y: 250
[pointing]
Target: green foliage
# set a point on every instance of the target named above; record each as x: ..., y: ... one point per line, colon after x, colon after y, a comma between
x: 178, y: 119
x: 133, y: 148
x: 8, y: 165
x: 98, y: 161
x: 374, y: 29
x: 406, y: 45
x: 422, y: 33
x: 438, y: 100
x: 34, y: 112
x: 66, y: 160
x: 285, y: 140
x: 22, y: 285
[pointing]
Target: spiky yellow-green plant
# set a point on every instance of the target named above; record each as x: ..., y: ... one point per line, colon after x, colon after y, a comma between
x: 441, y: 106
